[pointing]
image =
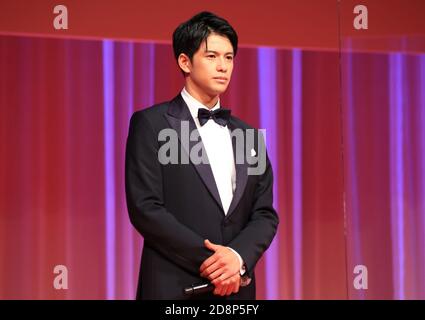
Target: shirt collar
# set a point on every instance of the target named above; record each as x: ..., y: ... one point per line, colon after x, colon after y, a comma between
x: 194, y: 104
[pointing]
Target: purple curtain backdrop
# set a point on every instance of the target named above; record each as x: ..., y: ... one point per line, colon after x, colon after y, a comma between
x: 344, y: 133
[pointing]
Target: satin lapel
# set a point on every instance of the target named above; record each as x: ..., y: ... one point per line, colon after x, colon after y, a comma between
x: 241, y: 170
x: 178, y: 112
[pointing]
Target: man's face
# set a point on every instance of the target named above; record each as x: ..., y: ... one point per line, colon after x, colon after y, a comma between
x: 212, y: 65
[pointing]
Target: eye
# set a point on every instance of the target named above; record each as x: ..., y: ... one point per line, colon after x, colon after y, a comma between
x: 230, y: 58
x: 211, y: 56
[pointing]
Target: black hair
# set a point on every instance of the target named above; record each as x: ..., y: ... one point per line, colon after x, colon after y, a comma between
x: 189, y: 35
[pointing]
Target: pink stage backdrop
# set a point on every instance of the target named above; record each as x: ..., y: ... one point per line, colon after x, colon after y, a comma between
x: 344, y: 133
x: 384, y: 171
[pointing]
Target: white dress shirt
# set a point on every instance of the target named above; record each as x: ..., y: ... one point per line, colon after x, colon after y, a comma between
x: 219, y: 149
x: 218, y: 146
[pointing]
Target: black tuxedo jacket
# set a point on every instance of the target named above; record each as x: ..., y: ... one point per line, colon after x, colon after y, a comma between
x: 176, y: 206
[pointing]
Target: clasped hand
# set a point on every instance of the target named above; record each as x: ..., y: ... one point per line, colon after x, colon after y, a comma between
x: 222, y: 269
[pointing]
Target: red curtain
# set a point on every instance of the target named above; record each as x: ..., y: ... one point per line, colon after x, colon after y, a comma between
x: 344, y: 133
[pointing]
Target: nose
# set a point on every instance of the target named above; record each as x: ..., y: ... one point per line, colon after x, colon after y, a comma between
x: 221, y: 65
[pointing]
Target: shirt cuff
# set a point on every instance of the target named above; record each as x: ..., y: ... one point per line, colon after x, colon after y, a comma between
x: 242, y: 269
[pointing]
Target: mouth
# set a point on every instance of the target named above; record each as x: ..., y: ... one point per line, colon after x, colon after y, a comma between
x: 221, y: 79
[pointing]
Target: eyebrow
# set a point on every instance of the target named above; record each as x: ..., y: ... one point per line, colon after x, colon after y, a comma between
x: 212, y: 51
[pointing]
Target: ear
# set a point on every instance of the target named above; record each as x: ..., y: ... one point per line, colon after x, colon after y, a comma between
x: 184, y: 63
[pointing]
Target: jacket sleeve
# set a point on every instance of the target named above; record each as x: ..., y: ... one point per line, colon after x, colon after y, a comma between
x: 261, y: 228
x: 143, y: 186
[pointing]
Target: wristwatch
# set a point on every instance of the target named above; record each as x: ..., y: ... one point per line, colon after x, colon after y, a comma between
x: 242, y: 271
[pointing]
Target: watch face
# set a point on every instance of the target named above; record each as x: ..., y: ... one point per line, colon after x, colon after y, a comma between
x: 243, y: 270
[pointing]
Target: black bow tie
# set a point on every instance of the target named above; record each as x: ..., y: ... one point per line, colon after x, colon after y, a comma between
x: 221, y: 116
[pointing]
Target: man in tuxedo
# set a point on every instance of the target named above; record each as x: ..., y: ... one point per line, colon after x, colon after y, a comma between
x: 203, y: 221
